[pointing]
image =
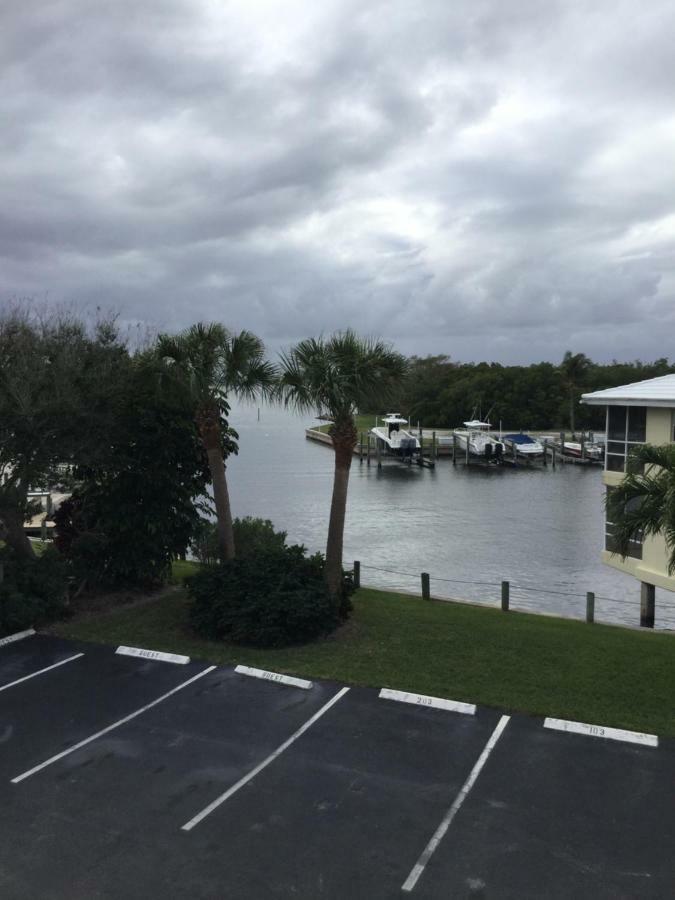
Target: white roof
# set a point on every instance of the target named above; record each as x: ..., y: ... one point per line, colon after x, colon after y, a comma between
x: 652, y: 392
x: 392, y: 418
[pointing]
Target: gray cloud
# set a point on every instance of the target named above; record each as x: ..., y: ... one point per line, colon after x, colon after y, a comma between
x: 484, y: 179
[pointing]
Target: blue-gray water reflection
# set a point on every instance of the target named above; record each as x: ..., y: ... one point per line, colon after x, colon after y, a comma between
x: 540, y: 529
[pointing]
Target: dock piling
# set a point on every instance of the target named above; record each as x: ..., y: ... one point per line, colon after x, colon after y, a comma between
x: 454, y: 449
x: 647, y: 603
x: 506, y: 593
x: 357, y: 573
x: 426, y: 590
x: 590, y: 607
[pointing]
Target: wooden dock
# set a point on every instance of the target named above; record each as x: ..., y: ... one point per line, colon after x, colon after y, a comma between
x: 443, y: 442
x: 366, y: 449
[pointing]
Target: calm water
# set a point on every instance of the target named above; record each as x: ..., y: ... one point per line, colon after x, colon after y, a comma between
x: 469, y: 528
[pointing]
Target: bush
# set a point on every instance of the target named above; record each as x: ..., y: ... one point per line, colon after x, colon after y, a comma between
x: 251, y: 538
x: 273, y: 600
x: 34, y: 592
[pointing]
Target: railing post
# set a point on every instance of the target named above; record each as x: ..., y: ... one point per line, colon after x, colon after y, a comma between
x: 43, y: 531
x: 505, y: 595
x: 426, y: 591
x: 647, y: 603
x: 357, y: 574
x: 590, y: 607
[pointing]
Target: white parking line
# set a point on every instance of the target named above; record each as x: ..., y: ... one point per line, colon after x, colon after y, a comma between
x: 601, y: 731
x: 103, y: 731
x: 422, y: 700
x: 19, y: 636
x: 421, y: 863
x: 274, y: 676
x: 157, y: 655
x: 4, y: 687
x: 245, y: 780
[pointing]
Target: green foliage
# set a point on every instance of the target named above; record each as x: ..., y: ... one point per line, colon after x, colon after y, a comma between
x: 643, y: 504
x: 539, y: 396
x: 33, y: 592
x: 274, y: 599
x: 134, y: 511
x: 57, y: 377
x: 252, y: 537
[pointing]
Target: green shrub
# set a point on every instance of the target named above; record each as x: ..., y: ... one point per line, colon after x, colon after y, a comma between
x: 273, y: 600
x: 251, y: 538
x: 33, y: 591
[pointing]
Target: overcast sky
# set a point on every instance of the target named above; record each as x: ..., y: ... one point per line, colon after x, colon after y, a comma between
x: 492, y: 179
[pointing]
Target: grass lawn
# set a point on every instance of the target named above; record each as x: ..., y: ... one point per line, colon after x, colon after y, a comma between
x: 515, y: 661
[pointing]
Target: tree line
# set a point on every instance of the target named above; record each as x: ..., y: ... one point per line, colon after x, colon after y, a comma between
x: 541, y: 396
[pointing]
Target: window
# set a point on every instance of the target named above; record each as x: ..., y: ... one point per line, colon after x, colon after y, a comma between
x: 634, y: 546
x: 626, y: 428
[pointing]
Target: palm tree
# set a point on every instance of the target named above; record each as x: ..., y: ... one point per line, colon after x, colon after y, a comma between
x: 336, y: 377
x: 643, y: 504
x: 574, y: 368
x: 209, y: 363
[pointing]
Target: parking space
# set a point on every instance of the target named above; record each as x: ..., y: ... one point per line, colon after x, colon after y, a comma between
x: 47, y: 714
x: 561, y: 815
x: 123, y: 777
x: 23, y: 658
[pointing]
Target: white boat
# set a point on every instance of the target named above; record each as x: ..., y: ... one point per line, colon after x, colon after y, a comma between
x: 590, y: 451
x: 476, y: 435
x: 395, y: 440
x: 524, y: 445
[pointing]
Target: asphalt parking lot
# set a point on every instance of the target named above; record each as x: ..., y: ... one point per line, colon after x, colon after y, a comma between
x: 128, y: 777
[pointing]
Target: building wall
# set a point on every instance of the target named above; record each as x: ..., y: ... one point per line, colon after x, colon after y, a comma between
x: 653, y: 567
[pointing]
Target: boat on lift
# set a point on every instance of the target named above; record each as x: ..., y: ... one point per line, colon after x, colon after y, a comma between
x: 524, y: 445
x: 595, y: 452
x: 394, y: 440
x: 476, y: 435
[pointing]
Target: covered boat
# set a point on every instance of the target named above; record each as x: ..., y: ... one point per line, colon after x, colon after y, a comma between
x: 524, y: 445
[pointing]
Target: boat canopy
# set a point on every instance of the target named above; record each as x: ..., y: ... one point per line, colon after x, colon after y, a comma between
x: 394, y: 419
x: 519, y: 438
x: 476, y: 423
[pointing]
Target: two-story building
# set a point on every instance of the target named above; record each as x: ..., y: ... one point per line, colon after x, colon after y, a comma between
x: 638, y: 413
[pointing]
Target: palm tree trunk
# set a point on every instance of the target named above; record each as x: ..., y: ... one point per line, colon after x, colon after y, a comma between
x: 221, y: 498
x: 344, y: 440
x: 208, y: 422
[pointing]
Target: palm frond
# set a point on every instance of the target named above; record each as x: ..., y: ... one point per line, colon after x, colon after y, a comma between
x: 339, y: 375
x: 643, y: 504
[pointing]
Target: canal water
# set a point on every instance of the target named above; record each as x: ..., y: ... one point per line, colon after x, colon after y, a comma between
x: 469, y: 528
